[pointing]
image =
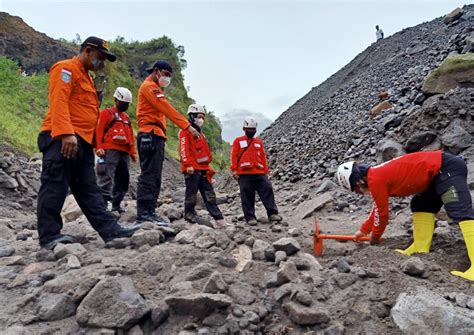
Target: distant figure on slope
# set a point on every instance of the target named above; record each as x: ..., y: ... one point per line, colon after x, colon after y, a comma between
x: 378, y: 33
x: 249, y: 167
x: 434, y: 178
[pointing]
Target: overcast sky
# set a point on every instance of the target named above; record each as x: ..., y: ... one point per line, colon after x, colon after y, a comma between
x: 252, y: 57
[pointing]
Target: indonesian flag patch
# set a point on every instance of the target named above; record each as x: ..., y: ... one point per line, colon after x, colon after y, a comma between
x: 66, y: 75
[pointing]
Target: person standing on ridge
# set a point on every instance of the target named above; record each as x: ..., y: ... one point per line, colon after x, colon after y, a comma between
x: 66, y: 141
x: 115, y: 145
x: 378, y: 33
x: 152, y: 110
x: 249, y: 167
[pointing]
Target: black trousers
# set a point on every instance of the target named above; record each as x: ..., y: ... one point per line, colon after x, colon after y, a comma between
x: 251, y: 183
x: 198, y: 182
x: 113, y: 177
x: 59, y: 174
x: 151, y: 150
x: 448, y: 188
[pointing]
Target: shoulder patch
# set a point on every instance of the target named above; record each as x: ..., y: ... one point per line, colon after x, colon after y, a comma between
x: 160, y: 95
x: 66, y: 75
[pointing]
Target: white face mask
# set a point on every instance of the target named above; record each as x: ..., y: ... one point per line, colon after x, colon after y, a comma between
x: 199, y: 122
x: 164, y: 81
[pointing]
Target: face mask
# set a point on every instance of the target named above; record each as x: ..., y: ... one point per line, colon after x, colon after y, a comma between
x: 98, y: 64
x: 122, y: 106
x: 199, y: 122
x: 250, y: 133
x: 164, y: 81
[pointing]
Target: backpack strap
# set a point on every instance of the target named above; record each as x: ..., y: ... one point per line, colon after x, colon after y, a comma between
x: 111, y: 123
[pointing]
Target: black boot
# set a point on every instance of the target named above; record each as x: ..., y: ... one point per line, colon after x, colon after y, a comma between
x: 54, y: 242
x: 120, y: 232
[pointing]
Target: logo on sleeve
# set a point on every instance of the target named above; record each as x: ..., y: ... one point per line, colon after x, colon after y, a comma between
x: 66, y: 75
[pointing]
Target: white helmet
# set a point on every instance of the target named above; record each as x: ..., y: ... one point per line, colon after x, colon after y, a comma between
x: 344, y: 172
x: 195, y: 109
x: 123, y: 94
x: 250, y: 123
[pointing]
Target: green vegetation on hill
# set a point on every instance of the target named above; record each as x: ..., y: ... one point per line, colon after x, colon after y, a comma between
x: 24, y: 100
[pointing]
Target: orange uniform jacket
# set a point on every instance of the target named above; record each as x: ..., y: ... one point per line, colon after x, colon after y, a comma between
x: 248, y: 156
x: 104, y: 140
x: 73, y: 104
x: 153, y: 108
x: 194, y: 152
x: 399, y: 177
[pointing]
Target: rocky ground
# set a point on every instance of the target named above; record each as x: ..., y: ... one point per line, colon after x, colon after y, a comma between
x: 240, y: 280
x: 264, y: 279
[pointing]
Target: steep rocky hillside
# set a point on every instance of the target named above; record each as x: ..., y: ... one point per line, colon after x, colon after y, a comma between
x: 332, y: 122
x: 34, y: 51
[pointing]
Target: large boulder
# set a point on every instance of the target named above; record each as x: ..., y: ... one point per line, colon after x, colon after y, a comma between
x: 199, y: 304
x: 53, y: 307
x: 421, y: 311
x: 112, y: 303
x: 456, y: 138
x: 455, y: 70
x: 307, y: 208
x: 288, y: 245
x: 306, y: 316
x: 453, y: 16
x: 389, y: 149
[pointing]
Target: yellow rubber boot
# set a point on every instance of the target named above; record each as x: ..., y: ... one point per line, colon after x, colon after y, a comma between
x: 423, y: 229
x: 467, y: 228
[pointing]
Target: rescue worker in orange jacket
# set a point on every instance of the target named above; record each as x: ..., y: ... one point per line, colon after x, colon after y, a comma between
x: 152, y: 110
x: 115, y: 145
x: 66, y: 141
x: 249, y: 167
x: 434, y: 178
x: 196, y: 157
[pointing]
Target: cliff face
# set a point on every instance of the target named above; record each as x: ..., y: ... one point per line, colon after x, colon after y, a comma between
x: 34, y: 51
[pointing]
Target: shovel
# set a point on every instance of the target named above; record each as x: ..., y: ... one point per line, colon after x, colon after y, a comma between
x: 318, y: 239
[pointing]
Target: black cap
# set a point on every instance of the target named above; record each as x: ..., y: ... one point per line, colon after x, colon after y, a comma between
x: 162, y: 65
x: 100, y: 44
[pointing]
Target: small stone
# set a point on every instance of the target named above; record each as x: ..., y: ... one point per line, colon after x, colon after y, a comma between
x: 237, y: 311
x: 73, y: 262
x: 159, y: 314
x: 280, y: 256
x: 6, y: 251
x: 462, y: 299
x: 413, y: 266
x: 215, y: 284
x: 344, y: 280
x: 228, y: 262
x: 242, y: 293
x: 252, y: 317
x: 470, y: 303
x: 200, y: 271
x: 288, y: 245
x: 258, y: 249
x: 62, y: 250
x: 306, y: 316
x: 304, y: 298
x: 287, y: 273
x: 294, y: 232
x: 45, y: 255
x: 118, y: 243
x: 343, y: 266
x: 270, y: 254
